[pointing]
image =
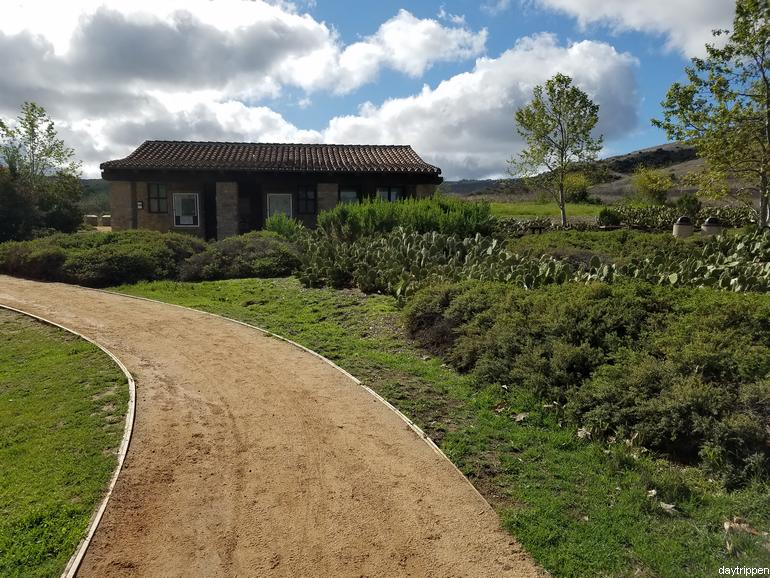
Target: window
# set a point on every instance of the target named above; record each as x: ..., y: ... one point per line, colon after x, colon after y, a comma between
x: 306, y: 201
x: 390, y: 193
x: 186, y: 209
x: 157, y: 198
x: 348, y: 195
x: 278, y: 204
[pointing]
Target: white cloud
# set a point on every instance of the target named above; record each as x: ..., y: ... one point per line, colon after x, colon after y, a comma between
x: 494, y: 7
x: 465, y: 124
x: 112, y: 78
x: 404, y: 43
x: 686, y: 24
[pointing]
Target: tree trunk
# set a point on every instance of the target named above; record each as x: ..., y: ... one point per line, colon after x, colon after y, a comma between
x: 562, y: 207
x: 763, y: 194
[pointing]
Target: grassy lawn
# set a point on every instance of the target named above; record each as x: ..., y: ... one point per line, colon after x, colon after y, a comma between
x: 532, y: 209
x: 580, y: 508
x: 62, y: 412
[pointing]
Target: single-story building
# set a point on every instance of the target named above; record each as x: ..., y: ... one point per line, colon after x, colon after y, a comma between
x: 220, y: 189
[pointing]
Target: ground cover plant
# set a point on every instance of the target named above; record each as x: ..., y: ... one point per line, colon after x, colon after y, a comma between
x: 581, y: 505
x: 62, y: 412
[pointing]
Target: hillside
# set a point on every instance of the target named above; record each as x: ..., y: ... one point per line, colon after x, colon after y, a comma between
x: 613, y: 174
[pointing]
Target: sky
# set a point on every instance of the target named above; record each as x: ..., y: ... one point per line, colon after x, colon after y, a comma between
x: 443, y: 77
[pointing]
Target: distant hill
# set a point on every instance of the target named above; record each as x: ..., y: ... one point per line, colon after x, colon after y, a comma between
x: 612, y: 175
x: 96, y: 196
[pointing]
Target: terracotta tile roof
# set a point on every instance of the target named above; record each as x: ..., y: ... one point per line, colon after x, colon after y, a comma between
x: 268, y: 157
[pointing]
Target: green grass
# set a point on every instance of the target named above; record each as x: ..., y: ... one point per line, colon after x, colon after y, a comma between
x: 532, y: 209
x: 579, y: 507
x: 62, y: 408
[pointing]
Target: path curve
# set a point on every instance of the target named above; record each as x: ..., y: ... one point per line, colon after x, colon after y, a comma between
x: 251, y: 457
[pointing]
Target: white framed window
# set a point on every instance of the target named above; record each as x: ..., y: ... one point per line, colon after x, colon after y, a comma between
x: 348, y: 195
x: 185, y: 209
x: 279, y: 203
x: 390, y: 193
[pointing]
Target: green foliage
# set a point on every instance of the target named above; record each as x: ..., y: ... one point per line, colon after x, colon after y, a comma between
x: 723, y: 108
x: 666, y: 369
x: 620, y: 246
x: 256, y: 254
x: 732, y: 263
x: 689, y: 204
x: 609, y: 218
x: 99, y: 259
x: 62, y: 411
x: 285, y: 226
x: 18, y: 214
x: 41, y: 189
x: 398, y: 262
x: 660, y: 218
x: 576, y: 187
x: 651, y: 185
x: 557, y: 127
x: 31, y: 149
x: 352, y: 221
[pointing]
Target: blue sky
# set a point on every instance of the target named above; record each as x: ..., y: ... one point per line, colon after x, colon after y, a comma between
x: 445, y: 77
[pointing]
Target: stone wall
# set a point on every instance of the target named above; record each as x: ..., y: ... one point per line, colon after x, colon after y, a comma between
x: 227, y: 209
x: 120, y: 205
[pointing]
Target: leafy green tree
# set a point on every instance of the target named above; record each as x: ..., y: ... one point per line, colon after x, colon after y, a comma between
x: 18, y: 214
x: 556, y: 126
x: 32, y: 150
x: 724, y: 108
x: 41, y: 183
x: 651, y: 185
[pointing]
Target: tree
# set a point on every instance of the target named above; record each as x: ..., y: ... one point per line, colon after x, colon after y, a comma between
x: 32, y: 150
x: 651, y: 185
x: 41, y: 188
x: 557, y: 127
x: 724, y: 108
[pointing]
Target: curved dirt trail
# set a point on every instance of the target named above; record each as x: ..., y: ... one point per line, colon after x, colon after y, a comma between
x: 251, y: 457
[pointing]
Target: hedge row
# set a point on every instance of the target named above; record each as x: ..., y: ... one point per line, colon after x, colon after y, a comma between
x: 104, y: 259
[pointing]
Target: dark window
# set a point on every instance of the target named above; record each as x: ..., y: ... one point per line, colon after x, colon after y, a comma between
x: 307, y: 201
x: 157, y: 198
x: 390, y: 193
x: 348, y: 195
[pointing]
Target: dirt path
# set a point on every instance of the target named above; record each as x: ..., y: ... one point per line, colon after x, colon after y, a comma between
x: 251, y: 457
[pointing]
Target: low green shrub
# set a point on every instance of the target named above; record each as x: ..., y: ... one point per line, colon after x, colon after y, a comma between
x: 100, y: 259
x: 255, y: 254
x: 443, y: 215
x: 608, y: 218
x: 682, y: 372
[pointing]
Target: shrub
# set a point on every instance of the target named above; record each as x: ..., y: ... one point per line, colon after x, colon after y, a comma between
x: 100, y: 259
x: 651, y: 185
x: 449, y: 216
x: 689, y: 204
x: 685, y: 373
x: 284, y: 226
x: 256, y: 254
x: 608, y: 218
